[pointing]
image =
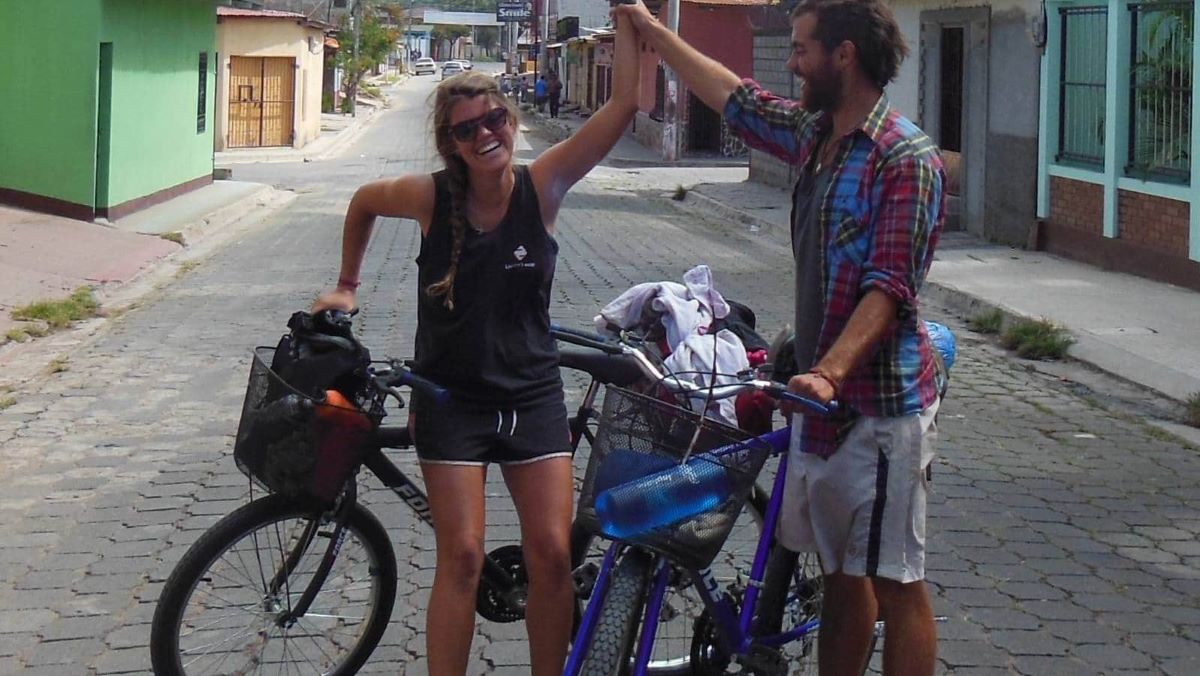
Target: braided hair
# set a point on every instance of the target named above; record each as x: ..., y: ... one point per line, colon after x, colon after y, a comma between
x: 461, y: 87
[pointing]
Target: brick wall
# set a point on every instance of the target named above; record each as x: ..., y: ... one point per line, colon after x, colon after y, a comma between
x: 1154, y: 222
x: 771, y: 52
x: 1077, y: 205
x: 1152, y: 239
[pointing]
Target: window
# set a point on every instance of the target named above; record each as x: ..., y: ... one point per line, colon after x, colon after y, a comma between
x: 1160, y: 90
x: 1081, y: 85
x: 202, y: 95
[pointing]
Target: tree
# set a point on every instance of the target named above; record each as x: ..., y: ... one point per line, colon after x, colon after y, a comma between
x: 376, y: 41
x: 487, y: 37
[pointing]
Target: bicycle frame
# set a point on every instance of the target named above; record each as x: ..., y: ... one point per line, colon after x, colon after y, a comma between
x: 734, y: 629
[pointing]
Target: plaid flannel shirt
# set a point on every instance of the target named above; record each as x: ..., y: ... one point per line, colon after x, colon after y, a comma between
x: 880, y: 221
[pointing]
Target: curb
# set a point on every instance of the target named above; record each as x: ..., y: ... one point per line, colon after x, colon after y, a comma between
x: 23, y: 362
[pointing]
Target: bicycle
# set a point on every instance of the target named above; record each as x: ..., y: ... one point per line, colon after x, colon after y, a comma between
x: 314, y: 580
x: 746, y: 628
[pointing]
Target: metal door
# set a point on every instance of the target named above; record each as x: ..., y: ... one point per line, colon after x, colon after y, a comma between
x: 261, y: 101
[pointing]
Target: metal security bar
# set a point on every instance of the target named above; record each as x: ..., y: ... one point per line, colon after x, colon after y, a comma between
x: 1160, y: 90
x: 1082, y: 83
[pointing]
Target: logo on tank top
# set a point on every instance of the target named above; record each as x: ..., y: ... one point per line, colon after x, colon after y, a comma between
x: 519, y: 254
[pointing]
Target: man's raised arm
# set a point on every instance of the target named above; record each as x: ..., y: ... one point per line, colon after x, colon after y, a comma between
x: 708, y: 79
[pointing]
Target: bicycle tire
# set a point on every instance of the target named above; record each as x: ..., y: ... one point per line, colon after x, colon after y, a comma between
x: 682, y: 607
x: 208, y: 575
x: 611, y: 645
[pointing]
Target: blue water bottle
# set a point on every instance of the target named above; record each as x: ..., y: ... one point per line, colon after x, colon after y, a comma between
x: 663, y: 498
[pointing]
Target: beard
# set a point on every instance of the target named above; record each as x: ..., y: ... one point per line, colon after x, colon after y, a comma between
x: 822, y: 91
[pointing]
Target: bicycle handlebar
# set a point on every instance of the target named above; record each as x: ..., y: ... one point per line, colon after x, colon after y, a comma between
x: 677, y: 386
x: 399, y: 374
x: 585, y: 339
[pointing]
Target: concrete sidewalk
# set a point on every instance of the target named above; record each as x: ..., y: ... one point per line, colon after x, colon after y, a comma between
x: 44, y: 257
x: 1142, y: 331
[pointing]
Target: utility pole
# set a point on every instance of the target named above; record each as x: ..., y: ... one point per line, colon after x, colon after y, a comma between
x: 356, y: 19
x: 670, y: 139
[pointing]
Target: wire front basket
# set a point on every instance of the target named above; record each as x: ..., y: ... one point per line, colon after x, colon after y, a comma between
x: 292, y: 443
x: 662, y: 477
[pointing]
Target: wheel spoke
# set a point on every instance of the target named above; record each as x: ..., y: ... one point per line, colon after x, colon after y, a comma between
x: 233, y: 563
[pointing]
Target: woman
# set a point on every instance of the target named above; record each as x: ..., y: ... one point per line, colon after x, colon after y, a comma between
x: 485, y: 271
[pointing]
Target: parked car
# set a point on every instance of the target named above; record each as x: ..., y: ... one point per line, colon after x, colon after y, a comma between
x: 467, y: 65
x: 451, y: 68
x: 424, y: 66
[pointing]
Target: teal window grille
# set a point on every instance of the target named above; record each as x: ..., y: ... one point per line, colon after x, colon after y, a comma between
x: 1082, y: 84
x: 1160, y: 91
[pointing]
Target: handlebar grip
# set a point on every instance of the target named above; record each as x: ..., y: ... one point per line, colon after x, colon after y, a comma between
x: 812, y: 404
x: 439, y: 394
x: 584, y: 339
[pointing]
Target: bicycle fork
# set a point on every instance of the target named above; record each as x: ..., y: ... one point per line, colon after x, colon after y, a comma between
x: 341, y: 514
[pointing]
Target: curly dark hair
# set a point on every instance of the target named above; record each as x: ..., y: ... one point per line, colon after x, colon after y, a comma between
x: 868, y: 24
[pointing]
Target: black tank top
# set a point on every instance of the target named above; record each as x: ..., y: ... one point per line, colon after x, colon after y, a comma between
x: 495, y: 346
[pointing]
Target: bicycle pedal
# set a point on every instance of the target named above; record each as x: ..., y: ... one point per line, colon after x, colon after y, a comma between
x: 763, y: 660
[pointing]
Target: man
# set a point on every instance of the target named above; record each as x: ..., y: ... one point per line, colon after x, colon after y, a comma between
x: 539, y: 93
x: 555, y: 93
x: 867, y: 212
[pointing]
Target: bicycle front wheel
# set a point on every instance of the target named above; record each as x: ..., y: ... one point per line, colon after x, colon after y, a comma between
x: 611, y: 645
x: 226, y: 608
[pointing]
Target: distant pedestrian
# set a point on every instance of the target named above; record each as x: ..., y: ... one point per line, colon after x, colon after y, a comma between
x: 555, y: 93
x: 540, y: 90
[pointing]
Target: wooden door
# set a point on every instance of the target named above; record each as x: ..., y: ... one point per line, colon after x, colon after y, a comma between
x: 261, y: 101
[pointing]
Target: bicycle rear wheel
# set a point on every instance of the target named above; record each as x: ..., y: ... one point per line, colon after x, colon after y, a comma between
x: 792, y: 596
x: 222, y: 609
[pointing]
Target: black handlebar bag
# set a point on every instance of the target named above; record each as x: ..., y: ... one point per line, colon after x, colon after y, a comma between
x: 303, y: 427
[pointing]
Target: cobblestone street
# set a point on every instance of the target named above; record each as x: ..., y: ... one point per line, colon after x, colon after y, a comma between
x: 1065, y: 530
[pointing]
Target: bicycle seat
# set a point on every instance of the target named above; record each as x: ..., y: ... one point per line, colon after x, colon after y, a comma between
x: 620, y: 370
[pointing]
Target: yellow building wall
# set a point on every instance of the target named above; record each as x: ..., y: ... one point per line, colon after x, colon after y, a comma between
x: 281, y: 38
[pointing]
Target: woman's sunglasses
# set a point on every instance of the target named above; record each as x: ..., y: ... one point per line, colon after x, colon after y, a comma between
x: 494, y: 120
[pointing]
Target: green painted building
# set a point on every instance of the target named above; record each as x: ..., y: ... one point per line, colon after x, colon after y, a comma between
x: 107, y: 104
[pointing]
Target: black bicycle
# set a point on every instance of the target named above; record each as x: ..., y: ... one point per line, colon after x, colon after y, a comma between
x: 305, y: 580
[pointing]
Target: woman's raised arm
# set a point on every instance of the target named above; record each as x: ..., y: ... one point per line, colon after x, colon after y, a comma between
x: 560, y: 167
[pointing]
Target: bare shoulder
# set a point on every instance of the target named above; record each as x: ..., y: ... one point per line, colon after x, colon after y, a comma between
x: 409, y: 196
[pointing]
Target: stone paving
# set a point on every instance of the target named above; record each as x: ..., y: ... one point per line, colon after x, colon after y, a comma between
x: 1064, y: 529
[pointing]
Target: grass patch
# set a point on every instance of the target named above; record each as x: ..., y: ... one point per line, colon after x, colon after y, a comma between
x: 5, y: 402
x: 1191, y: 410
x: 17, y: 335
x: 173, y: 236
x: 1037, y: 339
x: 57, y: 366
x: 680, y: 193
x: 60, y: 313
x: 987, y: 322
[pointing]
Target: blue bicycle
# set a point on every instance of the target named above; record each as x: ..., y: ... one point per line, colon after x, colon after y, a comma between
x: 666, y: 485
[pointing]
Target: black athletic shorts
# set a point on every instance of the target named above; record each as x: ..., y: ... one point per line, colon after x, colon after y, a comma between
x: 460, y: 433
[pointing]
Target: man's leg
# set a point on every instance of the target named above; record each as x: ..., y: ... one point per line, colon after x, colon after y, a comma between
x: 848, y: 615
x: 910, y: 642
